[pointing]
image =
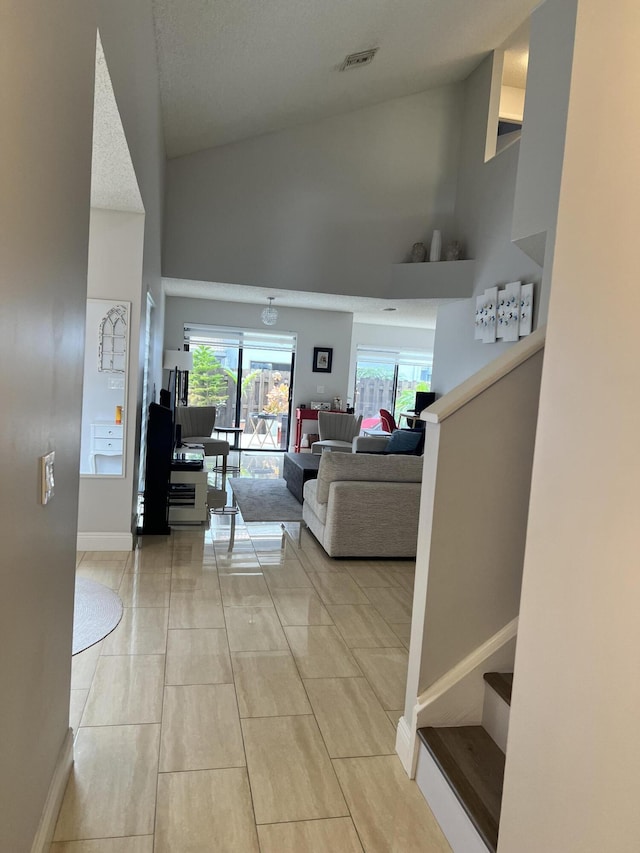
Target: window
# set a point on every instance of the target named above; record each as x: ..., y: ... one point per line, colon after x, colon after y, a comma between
x: 387, y: 379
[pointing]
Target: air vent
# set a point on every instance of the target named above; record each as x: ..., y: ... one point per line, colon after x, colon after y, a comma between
x: 357, y: 60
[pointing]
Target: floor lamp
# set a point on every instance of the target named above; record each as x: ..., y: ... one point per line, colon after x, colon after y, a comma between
x: 182, y: 362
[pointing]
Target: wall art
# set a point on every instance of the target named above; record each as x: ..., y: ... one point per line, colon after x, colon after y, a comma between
x: 322, y: 358
x: 504, y: 313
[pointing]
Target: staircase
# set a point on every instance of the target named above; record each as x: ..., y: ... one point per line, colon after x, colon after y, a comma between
x: 460, y: 771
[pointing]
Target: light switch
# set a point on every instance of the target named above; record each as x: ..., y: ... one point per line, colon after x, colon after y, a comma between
x: 46, y: 477
x: 320, y: 389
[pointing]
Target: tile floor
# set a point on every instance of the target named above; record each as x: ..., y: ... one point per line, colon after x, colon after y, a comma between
x: 246, y: 702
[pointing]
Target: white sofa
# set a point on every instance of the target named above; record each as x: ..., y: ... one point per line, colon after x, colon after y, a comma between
x: 364, y: 505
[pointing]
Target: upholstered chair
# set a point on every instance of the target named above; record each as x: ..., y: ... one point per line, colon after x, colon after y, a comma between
x: 196, y: 424
x: 336, y: 431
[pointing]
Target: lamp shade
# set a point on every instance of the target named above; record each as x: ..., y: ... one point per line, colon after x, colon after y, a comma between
x: 177, y: 359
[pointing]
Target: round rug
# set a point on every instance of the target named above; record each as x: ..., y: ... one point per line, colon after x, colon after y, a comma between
x: 97, y: 612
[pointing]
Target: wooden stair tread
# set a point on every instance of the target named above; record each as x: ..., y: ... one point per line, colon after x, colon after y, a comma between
x: 502, y: 683
x: 473, y: 766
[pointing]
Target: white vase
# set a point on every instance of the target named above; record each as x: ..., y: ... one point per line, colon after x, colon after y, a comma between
x: 436, y: 246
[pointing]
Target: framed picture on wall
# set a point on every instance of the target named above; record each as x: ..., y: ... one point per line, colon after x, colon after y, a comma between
x: 322, y: 358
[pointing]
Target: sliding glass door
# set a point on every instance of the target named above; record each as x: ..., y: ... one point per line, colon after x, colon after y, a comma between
x: 248, y: 377
x: 387, y: 379
x: 265, y: 398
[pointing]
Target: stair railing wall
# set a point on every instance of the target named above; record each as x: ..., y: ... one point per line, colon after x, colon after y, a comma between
x: 473, y: 518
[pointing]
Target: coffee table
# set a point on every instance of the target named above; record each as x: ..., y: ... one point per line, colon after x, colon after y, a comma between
x: 297, y: 469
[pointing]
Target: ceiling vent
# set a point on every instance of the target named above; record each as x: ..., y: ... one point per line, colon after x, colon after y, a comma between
x: 357, y: 60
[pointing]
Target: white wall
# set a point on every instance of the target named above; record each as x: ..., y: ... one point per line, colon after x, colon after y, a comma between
x: 542, y: 143
x: 484, y: 211
x: 47, y: 55
x: 313, y: 328
x: 573, y: 750
x: 128, y: 38
x: 323, y: 207
x: 469, y: 562
x: 514, y: 196
x: 115, y: 272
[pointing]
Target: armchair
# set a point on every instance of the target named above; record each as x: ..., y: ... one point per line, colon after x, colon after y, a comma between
x: 336, y: 431
x: 197, y: 423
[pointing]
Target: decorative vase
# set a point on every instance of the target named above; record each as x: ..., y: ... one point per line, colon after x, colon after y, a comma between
x: 436, y: 246
x: 453, y: 251
x: 418, y: 253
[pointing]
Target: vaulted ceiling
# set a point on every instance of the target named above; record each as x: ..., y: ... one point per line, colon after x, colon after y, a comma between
x: 233, y: 69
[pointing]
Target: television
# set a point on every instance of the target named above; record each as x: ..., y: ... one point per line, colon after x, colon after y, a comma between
x: 423, y: 400
x: 157, y: 471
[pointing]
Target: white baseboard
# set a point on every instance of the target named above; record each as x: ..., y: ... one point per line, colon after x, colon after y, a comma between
x: 104, y: 542
x: 49, y: 816
x: 452, y: 818
x: 407, y: 747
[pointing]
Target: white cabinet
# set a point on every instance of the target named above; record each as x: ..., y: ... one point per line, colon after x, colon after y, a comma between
x: 106, y: 440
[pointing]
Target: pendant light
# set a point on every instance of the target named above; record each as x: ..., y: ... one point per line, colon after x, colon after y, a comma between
x: 269, y: 314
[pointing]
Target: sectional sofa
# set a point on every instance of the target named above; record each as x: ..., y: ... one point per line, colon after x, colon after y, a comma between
x: 365, y: 505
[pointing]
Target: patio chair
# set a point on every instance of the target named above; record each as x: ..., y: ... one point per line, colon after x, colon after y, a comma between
x: 387, y: 420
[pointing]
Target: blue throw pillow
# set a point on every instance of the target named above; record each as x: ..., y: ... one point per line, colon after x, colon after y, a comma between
x: 404, y: 441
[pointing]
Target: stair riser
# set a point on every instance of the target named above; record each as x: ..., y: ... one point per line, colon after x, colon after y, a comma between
x: 495, y: 717
x: 453, y: 820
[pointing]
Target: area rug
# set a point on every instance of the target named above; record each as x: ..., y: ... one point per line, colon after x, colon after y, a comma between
x: 265, y: 500
x: 97, y: 611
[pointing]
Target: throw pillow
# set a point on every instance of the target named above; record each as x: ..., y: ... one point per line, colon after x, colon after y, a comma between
x: 404, y: 441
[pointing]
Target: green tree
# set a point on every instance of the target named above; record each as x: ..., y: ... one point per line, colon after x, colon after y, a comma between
x: 374, y: 371
x: 405, y: 399
x: 209, y: 380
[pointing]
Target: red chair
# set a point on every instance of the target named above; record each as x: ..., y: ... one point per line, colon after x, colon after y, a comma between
x: 388, y: 421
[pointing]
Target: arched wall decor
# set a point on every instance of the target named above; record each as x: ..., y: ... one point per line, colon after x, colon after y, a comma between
x: 104, y: 413
x: 112, y: 341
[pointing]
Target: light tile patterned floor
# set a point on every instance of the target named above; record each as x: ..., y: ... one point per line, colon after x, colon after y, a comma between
x: 246, y: 702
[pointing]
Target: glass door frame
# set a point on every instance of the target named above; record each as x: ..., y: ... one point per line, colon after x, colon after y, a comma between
x: 237, y: 407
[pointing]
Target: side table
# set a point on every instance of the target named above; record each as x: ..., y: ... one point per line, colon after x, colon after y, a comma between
x: 236, y: 432
x: 297, y: 469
